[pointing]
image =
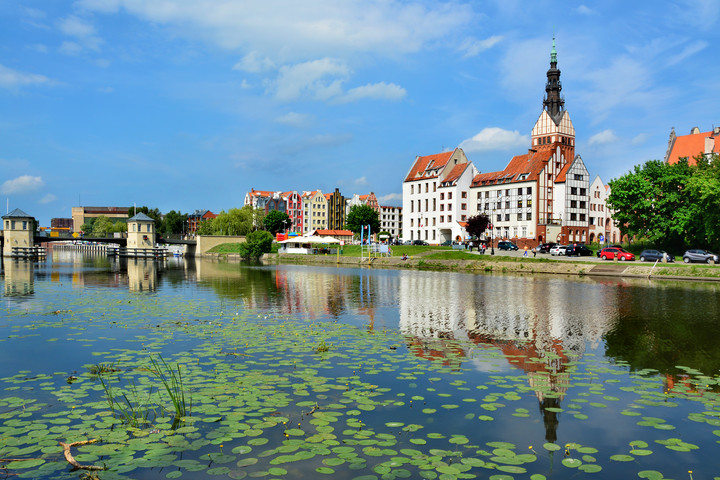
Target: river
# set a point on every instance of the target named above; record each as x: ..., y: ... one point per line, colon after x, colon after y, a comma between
x: 358, y: 373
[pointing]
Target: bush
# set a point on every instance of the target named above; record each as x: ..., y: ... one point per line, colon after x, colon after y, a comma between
x: 256, y: 243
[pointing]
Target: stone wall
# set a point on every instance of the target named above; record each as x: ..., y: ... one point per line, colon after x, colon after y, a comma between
x: 206, y: 242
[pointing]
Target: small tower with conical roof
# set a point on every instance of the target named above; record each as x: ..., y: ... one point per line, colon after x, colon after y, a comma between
x: 18, y: 233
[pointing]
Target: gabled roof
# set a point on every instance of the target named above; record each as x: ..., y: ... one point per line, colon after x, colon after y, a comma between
x: 140, y: 217
x: 562, y: 176
x: 522, y: 168
x: 428, y: 166
x: 689, y: 146
x: 17, y: 213
x: 455, y: 173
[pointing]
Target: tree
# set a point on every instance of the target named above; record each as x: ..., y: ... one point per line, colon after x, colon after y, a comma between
x: 174, y: 222
x: 275, y: 221
x: 673, y: 206
x: 361, y: 215
x: 477, y: 224
x: 256, y: 243
x: 236, y: 221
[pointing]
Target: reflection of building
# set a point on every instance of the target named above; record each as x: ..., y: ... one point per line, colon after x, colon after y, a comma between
x: 19, y: 277
x: 142, y: 275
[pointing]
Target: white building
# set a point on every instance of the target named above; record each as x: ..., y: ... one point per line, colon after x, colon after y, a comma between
x: 601, y: 221
x: 391, y: 220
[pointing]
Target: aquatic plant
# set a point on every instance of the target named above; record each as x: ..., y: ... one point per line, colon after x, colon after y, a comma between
x: 133, y: 408
x: 171, y: 379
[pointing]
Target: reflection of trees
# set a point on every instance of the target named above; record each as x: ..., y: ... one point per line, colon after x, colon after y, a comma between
x: 658, y: 330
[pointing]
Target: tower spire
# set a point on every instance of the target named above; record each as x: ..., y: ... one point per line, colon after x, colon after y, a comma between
x: 553, y: 102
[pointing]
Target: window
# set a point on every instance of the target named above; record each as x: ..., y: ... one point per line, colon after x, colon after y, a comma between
x: 487, y: 207
x: 582, y: 205
x: 519, y: 216
x: 573, y: 203
x: 463, y: 194
x: 434, y: 187
x: 426, y: 204
x: 412, y: 189
x: 573, y: 190
x: 507, y: 204
x: 412, y: 222
x: 515, y: 232
x: 478, y: 195
x: 582, y: 217
x: 573, y: 217
x: 442, y: 207
x: 442, y: 196
x: 529, y: 190
x: 528, y: 216
x: 434, y: 204
x: 487, y: 194
x: 519, y: 204
x: 507, y: 217
x: 499, y: 217
x: 582, y: 192
x: 24, y: 224
x: 449, y: 195
x: 519, y: 191
x: 507, y: 192
x: 463, y: 206
x: 578, y: 177
x: 524, y: 232
x: 463, y: 218
x: 442, y: 218
x: 528, y: 202
x: 449, y: 206
x: 449, y: 218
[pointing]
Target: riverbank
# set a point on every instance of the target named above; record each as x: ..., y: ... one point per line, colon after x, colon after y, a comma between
x: 484, y: 263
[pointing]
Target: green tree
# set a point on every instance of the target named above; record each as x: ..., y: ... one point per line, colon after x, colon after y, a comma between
x: 256, y: 243
x: 276, y: 221
x: 361, y: 215
x: 236, y: 221
x: 673, y: 206
x: 174, y: 222
x: 102, y: 226
x: 477, y: 224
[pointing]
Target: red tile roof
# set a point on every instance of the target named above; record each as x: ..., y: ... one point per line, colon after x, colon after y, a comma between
x: 561, y: 177
x: 455, y: 173
x: 261, y: 193
x: 689, y: 146
x: 428, y: 166
x: 530, y: 164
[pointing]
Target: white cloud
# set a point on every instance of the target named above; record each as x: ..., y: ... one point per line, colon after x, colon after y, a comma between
x: 585, y: 10
x: 390, y: 199
x: 82, y: 31
x: 49, y: 198
x: 253, y: 64
x: 245, y: 85
x: 381, y: 90
x: 21, y: 184
x: 319, y: 79
x: 473, y: 46
x: 688, y: 51
x: 291, y: 31
x: 294, y: 119
x: 640, y: 139
x: 603, y: 138
x: 362, y: 181
x: 494, y: 138
x: 10, y: 78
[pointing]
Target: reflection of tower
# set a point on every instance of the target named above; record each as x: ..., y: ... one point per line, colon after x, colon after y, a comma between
x: 142, y: 275
x: 19, y: 277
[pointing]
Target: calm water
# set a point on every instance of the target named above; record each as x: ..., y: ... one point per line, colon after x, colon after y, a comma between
x: 357, y: 373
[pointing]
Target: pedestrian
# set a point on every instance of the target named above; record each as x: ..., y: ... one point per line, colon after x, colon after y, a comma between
x: 534, y: 252
x: 525, y: 254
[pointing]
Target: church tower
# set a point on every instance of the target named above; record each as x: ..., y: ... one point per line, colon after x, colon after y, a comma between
x: 554, y: 126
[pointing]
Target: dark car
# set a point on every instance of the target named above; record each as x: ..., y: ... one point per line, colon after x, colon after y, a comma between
x: 507, y: 246
x: 698, y: 255
x: 447, y: 243
x: 655, y: 255
x: 545, y: 247
x: 578, y: 251
x: 419, y: 242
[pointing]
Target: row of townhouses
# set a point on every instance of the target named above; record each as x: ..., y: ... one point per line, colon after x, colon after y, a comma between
x: 544, y: 195
x: 315, y: 210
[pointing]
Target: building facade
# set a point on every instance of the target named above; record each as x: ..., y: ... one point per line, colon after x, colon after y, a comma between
x: 315, y: 208
x: 337, y: 208
x: 391, y: 221
x: 602, y: 228
x: 198, y: 217
x: 81, y: 215
x: 690, y: 146
x: 294, y: 209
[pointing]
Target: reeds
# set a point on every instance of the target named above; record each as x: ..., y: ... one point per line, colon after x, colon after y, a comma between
x: 133, y: 410
x: 171, y: 379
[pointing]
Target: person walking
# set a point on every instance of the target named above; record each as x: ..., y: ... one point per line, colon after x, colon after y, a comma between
x: 525, y: 254
x: 534, y: 252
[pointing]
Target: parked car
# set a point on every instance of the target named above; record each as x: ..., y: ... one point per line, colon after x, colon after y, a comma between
x: 545, y: 247
x: 578, y: 251
x: 446, y: 243
x: 609, y: 253
x: 507, y: 246
x: 558, y: 250
x: 407, y: 242
x: 419, y: 242
x: 697, y: 255
x: 655, y: 255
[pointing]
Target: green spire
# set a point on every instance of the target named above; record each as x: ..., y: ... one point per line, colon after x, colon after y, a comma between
x: 553, y: 53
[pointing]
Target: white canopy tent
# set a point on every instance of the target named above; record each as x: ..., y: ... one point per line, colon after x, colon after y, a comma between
x: 305, y: 245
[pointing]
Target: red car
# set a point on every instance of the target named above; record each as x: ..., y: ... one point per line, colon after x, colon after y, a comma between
x: 609, y: 253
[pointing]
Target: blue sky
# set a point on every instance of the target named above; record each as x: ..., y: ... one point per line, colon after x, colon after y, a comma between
x: 187, y: 104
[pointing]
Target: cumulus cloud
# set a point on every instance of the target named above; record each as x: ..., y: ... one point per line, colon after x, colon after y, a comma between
x: 294, y: 119
x: 21, y: 184
x: 252, y: 63
x: 390, y: 199
x: 362, y: 181
x: 473, y: 46
x: 494, y: 138
x: 378, y: 91
x: 603, y: 138
x: 585, y: 10
x: 49, y: 198
x: 10, y: 78
x: 318, y: 79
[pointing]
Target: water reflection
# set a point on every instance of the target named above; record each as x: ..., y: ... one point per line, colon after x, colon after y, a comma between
x: 142, y: 274
x: 19, y: 277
